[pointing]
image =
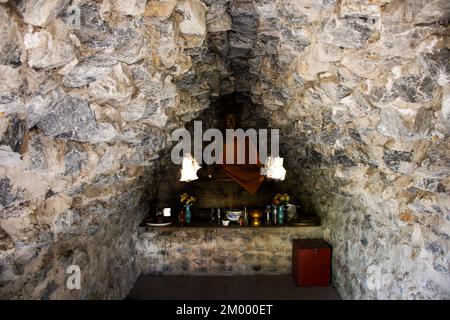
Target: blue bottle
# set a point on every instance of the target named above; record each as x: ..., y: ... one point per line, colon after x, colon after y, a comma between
x: 280, y: 216
x: 188, y: 213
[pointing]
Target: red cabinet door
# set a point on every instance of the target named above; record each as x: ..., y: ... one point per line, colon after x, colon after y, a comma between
x: 311, y: 263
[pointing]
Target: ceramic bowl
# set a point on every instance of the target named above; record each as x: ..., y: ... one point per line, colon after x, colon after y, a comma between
x: 233, y: 215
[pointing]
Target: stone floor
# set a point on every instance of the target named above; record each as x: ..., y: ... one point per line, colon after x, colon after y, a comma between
x: 280, y: 287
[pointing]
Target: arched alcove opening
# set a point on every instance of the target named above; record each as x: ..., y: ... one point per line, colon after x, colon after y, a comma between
x: 90, y: 92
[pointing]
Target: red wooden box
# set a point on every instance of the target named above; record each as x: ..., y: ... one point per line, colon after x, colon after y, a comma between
x: 311, y: 263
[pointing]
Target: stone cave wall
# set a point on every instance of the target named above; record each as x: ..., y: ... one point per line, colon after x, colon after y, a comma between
x: 359, y: 89
x: 84, y: 112
x: 360, y: 92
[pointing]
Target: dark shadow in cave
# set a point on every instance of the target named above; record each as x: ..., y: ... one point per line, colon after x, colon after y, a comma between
x: 214, y: 189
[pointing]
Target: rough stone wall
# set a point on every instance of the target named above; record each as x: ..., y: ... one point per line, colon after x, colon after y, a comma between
x: 84, y: 112
x: 360, y: 90
x: 219, y: 250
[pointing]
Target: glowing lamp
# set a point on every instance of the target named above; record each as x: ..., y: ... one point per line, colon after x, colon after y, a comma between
x: 189, y: 168
x: 274, y: 168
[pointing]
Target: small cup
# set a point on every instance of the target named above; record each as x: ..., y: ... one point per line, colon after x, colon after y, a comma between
x: 225, y: 223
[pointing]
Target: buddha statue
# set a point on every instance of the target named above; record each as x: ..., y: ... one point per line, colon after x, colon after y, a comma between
x: 247, y: 175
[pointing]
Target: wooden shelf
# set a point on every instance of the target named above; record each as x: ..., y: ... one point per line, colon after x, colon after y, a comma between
x: 231, y: 226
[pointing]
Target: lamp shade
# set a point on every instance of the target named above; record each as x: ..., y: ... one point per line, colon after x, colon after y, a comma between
x: 189, y: 168
x: 274, y: 168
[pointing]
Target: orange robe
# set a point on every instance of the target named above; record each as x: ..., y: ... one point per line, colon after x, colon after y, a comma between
x: 246, y: 175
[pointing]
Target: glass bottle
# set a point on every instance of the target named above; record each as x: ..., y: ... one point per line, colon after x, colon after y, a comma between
x: 245, y: 216
x: 274, y: 214
x: 188, y: 214
x: 241, y: 220
x: 268, y: 220
x: 213, y: 216
x: 280, y: 217
x: 218, y: 217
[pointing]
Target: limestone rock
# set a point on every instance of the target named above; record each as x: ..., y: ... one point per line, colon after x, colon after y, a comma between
x: 150, y: 138
x: 10, y: 50
x: 244, y: 27
x: 15, y: 133
x: 400, y: 44
x: 109, y: 162
x: 157, y: 87
x: 9, y: 103
x: 148, y: 111
x: 445, y: 107
x: 37, y: 107
x: 415, y: 89
x: 167, y: 48
x: 6, y: 241
x: 310, y: 65
x: 349, y: 32
x: 433, y: 11
x: 94, y: 32
x: 89, y: 70
x: 360, y: 8
x: 8, y: 157
x: 217, y: 19
x: 437, y: 64
x: 129, y: 7
x: 408, y: 125
x: 295, y: 39
x: 10, y: 79
x: 115, y: 88
x: 298, y: 12
x: 157, y: 118
x: 37, y: 152
x: 45, y: 52
x: 394, y: 158
x: 41, y: 12
x: 132, y: 43
x: 105, y: 132
x: 193, y: 22
x: 135, y: 110
x: 63, y: 116
x: 438, y: 154
x: 159, y: 8
x: 364, y: 67
x: 8, y: 192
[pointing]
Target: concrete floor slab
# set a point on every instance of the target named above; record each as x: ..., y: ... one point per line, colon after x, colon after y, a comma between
x: 273, y: 287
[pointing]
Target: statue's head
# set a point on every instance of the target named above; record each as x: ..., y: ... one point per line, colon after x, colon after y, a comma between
x: 230, y: 121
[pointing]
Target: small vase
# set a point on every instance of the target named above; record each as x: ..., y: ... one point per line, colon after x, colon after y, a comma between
x: 280, y: 215
x: 188, y: 214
